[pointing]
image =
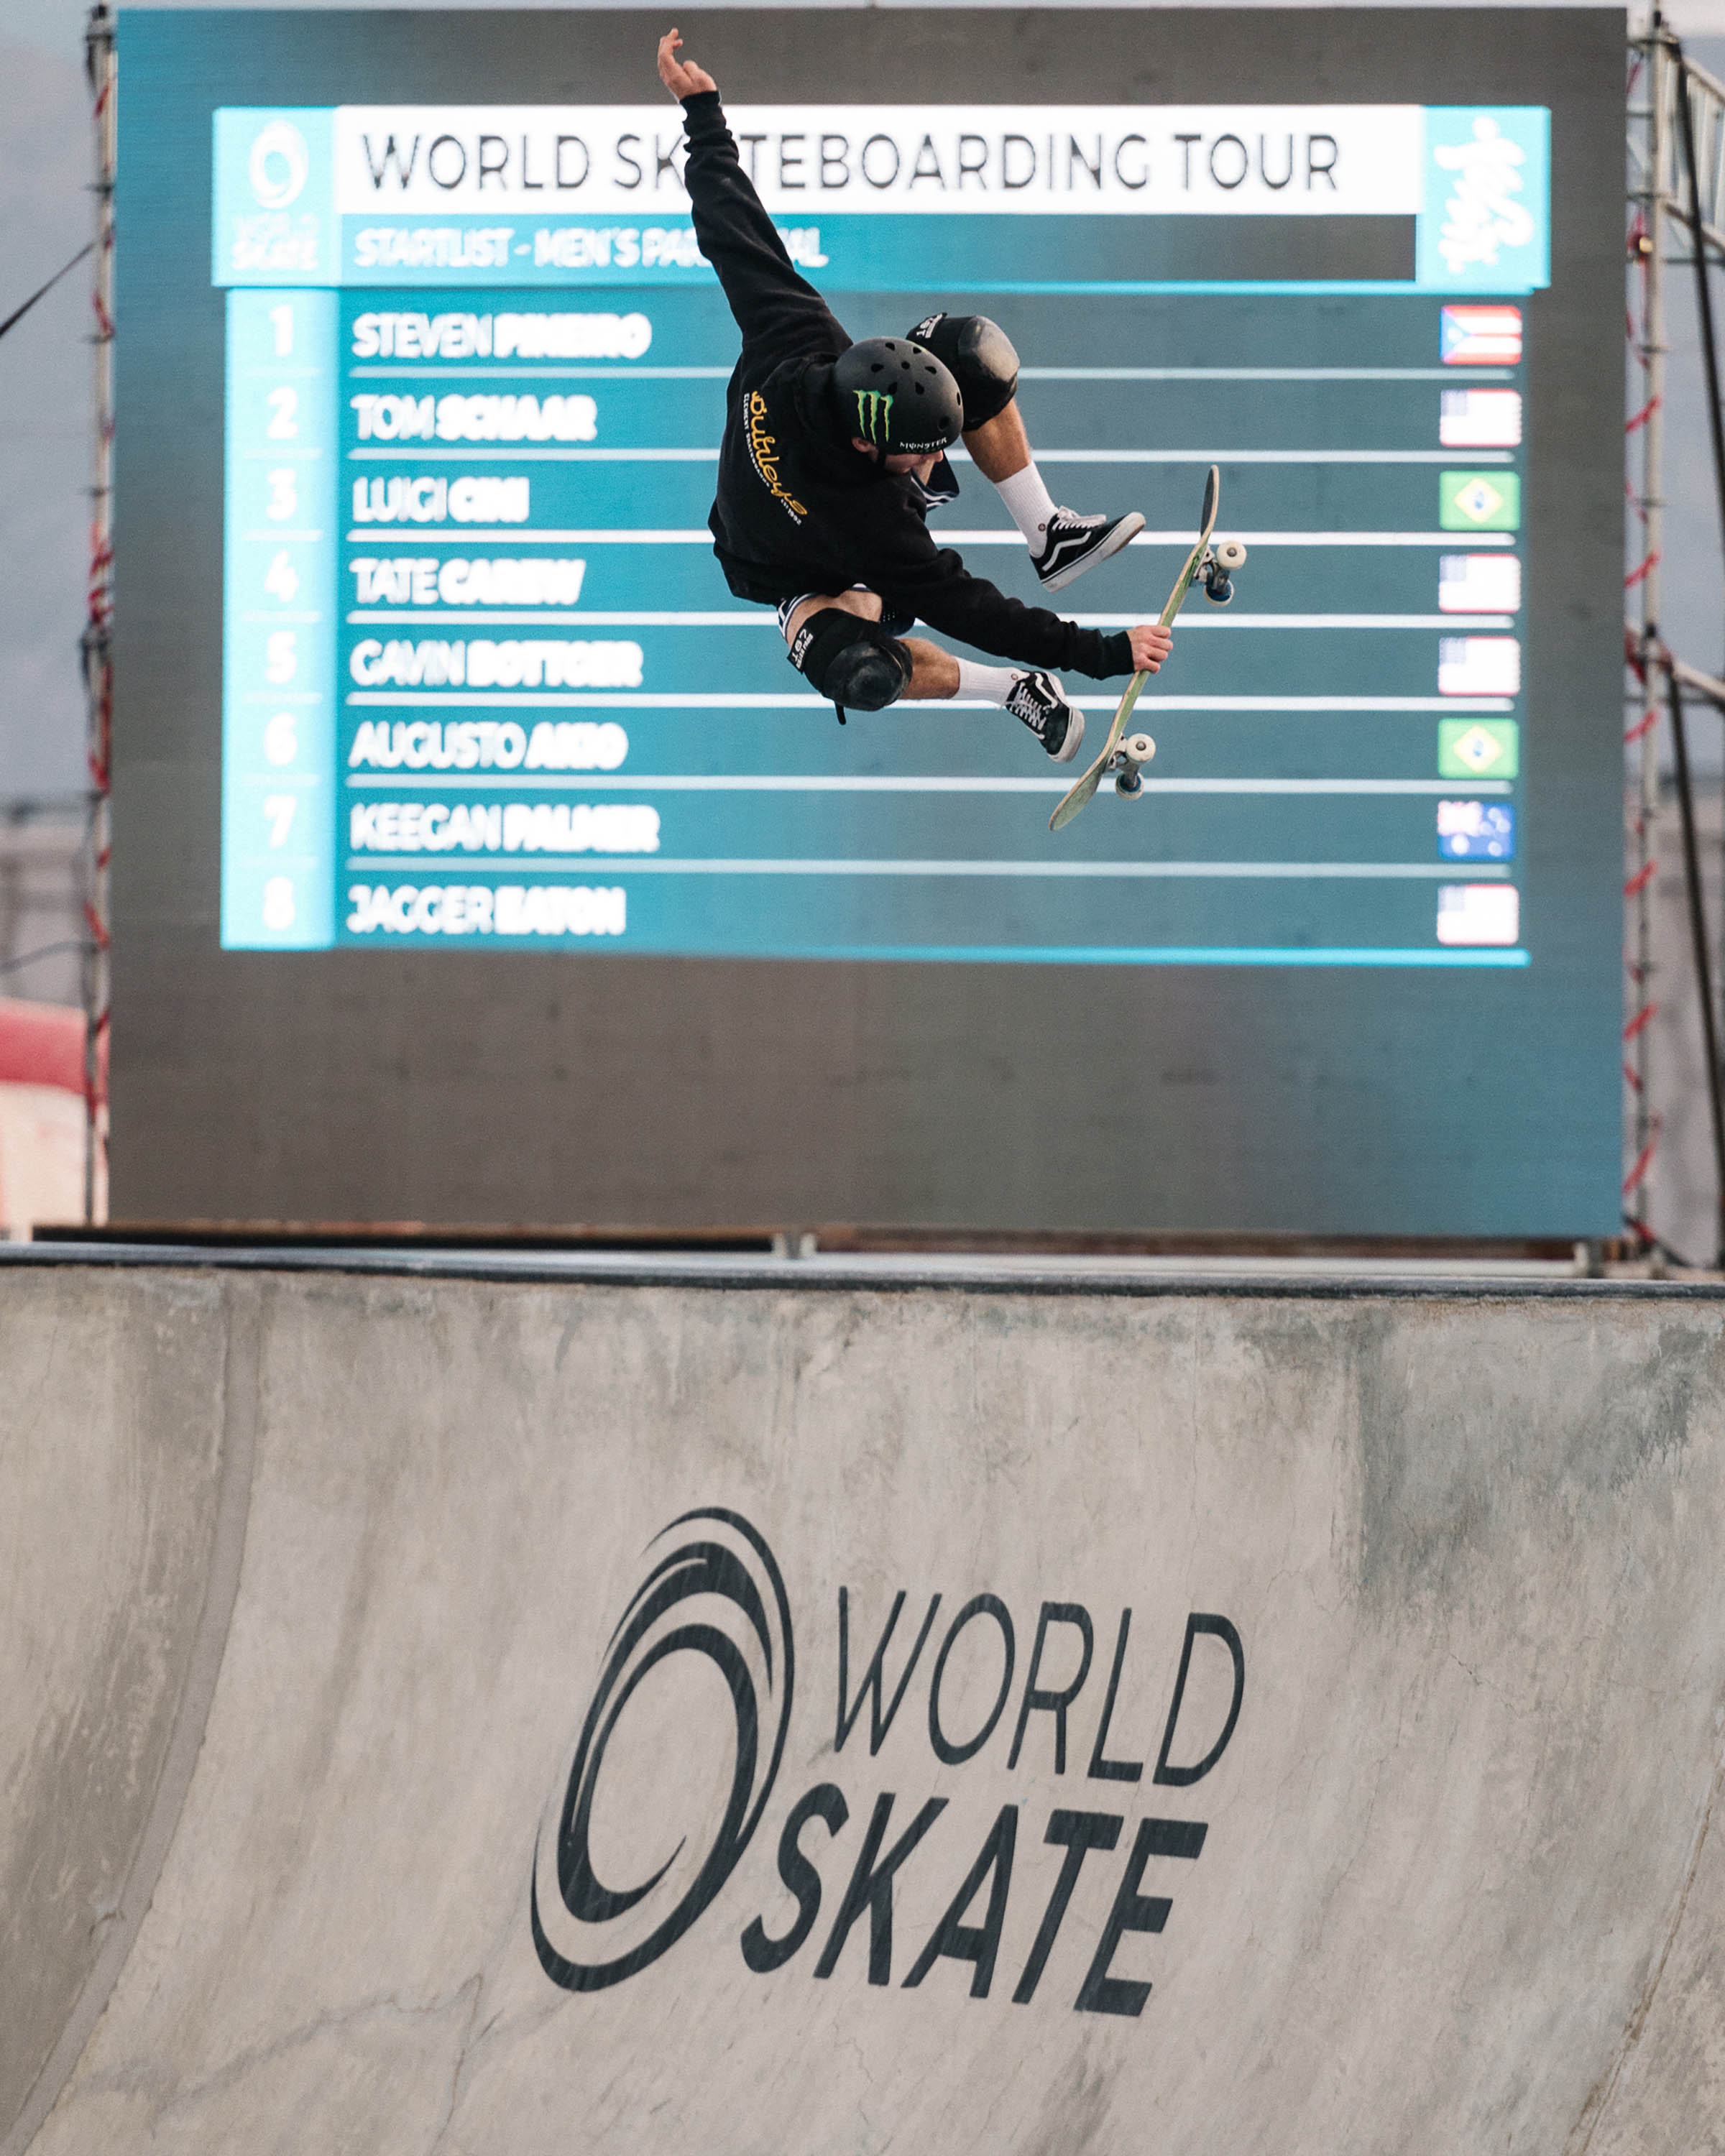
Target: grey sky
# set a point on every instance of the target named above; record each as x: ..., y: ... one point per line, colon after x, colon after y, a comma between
x: 45, y: 401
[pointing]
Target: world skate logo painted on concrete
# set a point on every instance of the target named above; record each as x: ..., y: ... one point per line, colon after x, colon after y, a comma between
x: 716, y: 1593
x: 696, y: 1762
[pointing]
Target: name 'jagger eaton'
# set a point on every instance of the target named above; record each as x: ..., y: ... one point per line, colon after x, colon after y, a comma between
x: 834, y: 453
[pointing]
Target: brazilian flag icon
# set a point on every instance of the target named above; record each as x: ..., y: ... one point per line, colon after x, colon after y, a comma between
x: 1478, y: 748
x: 1479, y: 501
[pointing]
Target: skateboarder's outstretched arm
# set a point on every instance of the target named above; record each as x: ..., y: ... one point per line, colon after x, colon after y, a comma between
x: 772, y: 304
x: 932, y: 584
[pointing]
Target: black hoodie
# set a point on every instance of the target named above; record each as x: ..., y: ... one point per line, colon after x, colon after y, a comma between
x: 799, y: 510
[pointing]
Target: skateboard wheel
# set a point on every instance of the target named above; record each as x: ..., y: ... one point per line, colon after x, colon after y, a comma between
x: 1129, y: 786
x: 1230, y: 554
x: 1139, y: 748
x: 1218, y: 587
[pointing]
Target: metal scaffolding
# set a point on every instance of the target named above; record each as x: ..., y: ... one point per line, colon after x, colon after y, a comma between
x: 1676, y: 195
x: 96, y: 641
x: 1653, y: 77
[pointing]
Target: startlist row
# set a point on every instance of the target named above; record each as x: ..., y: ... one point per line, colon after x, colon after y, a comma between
x: 486, y: 909
x: 488, y: 745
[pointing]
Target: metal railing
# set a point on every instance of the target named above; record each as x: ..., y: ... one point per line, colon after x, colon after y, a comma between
x: 1661, y: 151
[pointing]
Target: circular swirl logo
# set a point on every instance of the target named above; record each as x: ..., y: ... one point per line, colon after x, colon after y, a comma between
x: 279, y: 164
x: 716, y: 1592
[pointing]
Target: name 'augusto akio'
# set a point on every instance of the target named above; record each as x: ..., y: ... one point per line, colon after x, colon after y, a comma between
x: 488, y: 745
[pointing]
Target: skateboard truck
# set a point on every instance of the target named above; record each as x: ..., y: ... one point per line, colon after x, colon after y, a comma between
x: 1127, y: 762
x: 1217, y: 569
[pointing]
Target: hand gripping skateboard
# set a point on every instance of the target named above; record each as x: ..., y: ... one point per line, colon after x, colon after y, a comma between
x: 1126, y: 757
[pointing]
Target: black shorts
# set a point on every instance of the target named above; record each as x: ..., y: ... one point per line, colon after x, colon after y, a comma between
x: 894, y: 625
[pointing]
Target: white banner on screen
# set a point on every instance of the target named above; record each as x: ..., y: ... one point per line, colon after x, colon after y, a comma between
x: 1120, y: 160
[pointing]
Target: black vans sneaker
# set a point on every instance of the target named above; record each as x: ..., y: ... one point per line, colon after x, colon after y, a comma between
x: 1074, y: 544
x: 1040, y: 702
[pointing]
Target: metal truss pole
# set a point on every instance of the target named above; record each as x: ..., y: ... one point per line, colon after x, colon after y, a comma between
x: 96, y: 643
x: 1651, y: 349
x: 1699, y: 250
x: 1676, y: 153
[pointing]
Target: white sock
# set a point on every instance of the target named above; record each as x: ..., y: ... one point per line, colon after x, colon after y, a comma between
x: 993, y: 683
x: 1028, y: 503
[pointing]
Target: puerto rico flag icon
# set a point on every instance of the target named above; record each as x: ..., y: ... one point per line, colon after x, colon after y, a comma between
x: 1481, y: 336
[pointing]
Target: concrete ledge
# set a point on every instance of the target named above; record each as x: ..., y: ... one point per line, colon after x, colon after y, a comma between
x: 1325, y: 1278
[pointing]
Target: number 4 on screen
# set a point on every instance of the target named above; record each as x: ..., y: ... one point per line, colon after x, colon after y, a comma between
x: 283, y: 581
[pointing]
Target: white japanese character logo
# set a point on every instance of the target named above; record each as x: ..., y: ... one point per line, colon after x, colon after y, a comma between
x: 1480, y: 216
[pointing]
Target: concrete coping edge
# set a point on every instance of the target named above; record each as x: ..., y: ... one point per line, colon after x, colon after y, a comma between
x: 958, y: 1274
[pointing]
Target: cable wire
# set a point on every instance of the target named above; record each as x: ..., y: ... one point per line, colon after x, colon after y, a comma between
x: 17, y: 314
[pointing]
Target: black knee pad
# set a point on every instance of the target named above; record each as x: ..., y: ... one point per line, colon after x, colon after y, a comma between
x: 854, y: 662
x: 980, y: 356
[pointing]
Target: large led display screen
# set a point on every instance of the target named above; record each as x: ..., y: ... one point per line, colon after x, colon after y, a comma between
x: 483, y: 682
x: 486, y: 696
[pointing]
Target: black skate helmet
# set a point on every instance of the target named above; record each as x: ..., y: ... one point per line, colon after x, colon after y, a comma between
x: 898, y: 398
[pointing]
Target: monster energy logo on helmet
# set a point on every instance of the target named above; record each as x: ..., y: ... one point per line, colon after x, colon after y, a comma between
x: 905, y: 400
x: 874, y: 417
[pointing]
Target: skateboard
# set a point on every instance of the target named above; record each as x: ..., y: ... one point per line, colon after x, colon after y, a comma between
x: 1126, y: 754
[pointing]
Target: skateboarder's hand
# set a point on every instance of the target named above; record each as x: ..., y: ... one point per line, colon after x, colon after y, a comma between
x: 679, y: 77
x: 1151, y: 644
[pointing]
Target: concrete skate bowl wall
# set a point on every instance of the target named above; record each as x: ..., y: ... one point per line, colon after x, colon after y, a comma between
x: 451, y: 1713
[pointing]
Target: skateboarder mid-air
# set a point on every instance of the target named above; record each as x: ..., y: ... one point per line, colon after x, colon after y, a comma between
x: 835, y: 451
